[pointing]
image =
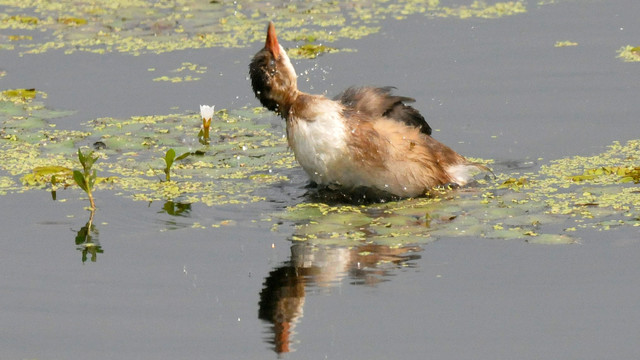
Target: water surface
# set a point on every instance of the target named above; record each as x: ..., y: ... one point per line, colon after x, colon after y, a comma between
x: 163, y: 287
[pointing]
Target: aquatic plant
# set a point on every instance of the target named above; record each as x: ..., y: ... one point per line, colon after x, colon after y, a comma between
x: 206, y: 112
x: 182, y: 24
x: 550, y: 206
x: 310, y: 51
x: 192, y: 70
x: 20, y: 93
x: 86, y: 178
x: 169, y: 159
x: 626, y: 174
x: 565, y: 43
x: 249, y: 159
x: 629, y: 53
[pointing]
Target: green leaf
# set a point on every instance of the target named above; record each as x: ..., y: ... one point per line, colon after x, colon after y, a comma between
x: 50, y: 170
x: 92, y: 180
x: 91, y: 160
x: 170, y: 157
x: 7, y: 108
x: 20, y: 93
x: 81, y: 157
x: 42, y: 175
x: 87, y: 160
x: 79, y: 179
x: 182, y: 156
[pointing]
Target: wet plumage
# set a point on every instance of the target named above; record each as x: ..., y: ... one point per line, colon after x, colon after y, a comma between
x: 365, y: 137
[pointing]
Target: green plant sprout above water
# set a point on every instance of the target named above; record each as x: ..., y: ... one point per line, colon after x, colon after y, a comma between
x: 86, y: 179
x: 169, y: 159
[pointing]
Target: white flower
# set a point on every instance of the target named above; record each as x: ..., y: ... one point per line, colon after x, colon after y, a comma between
x: 206, y: 111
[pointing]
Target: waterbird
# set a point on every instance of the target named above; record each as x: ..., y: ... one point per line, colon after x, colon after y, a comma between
x: 365, y: 137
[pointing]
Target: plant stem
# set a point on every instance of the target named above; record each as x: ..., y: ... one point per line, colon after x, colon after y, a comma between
x: 93, y: 204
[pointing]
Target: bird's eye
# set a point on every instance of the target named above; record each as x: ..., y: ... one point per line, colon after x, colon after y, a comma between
x: 272, y: 67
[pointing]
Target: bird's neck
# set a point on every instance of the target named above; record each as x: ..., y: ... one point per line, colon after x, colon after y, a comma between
x: 286, y: 101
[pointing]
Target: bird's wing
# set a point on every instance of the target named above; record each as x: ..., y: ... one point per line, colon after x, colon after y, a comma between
x: 378, y: 101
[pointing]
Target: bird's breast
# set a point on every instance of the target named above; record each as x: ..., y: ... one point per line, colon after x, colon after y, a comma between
x: 318, y: 139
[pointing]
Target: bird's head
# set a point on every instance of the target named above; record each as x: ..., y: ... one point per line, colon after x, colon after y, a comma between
x: 273, y: 78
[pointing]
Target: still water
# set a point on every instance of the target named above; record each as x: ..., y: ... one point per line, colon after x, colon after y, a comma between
x: 162, y: 288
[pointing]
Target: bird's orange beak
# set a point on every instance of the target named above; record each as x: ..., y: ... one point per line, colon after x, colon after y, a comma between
x: 272, y: 41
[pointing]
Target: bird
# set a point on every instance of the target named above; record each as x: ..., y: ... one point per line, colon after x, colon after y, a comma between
x: 365, y: 137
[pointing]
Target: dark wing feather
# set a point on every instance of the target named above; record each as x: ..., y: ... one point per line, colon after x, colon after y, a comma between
x: 376, y: 102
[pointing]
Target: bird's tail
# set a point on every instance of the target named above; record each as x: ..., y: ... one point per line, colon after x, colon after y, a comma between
x: 461, y: 174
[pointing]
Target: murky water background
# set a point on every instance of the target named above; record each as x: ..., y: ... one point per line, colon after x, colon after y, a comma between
x: 495, y: 89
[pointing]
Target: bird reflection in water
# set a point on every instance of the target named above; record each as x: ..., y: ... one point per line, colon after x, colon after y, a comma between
x: 283, y: 295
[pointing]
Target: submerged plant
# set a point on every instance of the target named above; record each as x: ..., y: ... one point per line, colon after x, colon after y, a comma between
x: 85, y: 178
x: 206, y: 112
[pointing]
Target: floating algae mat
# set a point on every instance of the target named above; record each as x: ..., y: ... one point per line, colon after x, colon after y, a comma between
x: 137, y: 27
x: 546, y: 207
x: 241, y: 156
x: 629, y: 53
x: 245, y: 155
